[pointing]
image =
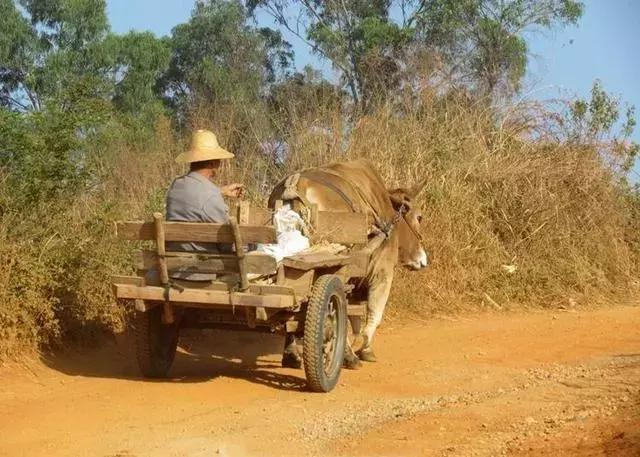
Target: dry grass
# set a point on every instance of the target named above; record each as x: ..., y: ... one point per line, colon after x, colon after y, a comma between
x: 508, y: 222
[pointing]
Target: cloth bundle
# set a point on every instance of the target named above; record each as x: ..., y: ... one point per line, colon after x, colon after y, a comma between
x: 289, y: 227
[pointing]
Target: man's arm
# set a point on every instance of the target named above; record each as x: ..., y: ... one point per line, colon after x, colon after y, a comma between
x: 234, y: 190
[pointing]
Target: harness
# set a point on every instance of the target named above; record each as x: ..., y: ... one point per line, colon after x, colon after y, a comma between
x: 381, y: 226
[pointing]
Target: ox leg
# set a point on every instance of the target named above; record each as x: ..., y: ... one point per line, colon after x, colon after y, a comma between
x: 351, y: 360
x: 378, y: 295
x: 291, y: 356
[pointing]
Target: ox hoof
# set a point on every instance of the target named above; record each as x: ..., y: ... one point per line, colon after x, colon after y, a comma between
x: 291, y: 360
x: 367, y: 355
x: 352, y: 363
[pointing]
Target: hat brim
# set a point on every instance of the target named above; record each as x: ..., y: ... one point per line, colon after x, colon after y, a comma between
x: 196, y: 155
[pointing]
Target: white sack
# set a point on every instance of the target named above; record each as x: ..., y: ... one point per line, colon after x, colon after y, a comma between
x: 290, y: 238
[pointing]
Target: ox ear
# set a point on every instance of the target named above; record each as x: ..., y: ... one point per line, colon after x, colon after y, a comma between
x: 418, y: 189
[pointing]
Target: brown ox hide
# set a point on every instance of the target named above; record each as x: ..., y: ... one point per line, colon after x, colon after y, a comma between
x: 360, y: 184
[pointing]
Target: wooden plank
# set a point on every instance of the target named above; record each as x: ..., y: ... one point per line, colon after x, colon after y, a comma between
x: 300, y: 281
x: 315, y: 260
x: 359, y: 264
x: 313, y: 214
x: 256, y: 262
x: 243, y: 212
x: 167, y: 308
x: 204, y: 296
x: 222, y: 286
x: 239, y: 245
x: 280, y: 275
x: 160, y: 247
x: 133, y: 280
x: 259, y: 289
x: 248, y: 214
x: 260, y: 216
x: 360, y: 259
x: 341, y: 227
x: 203, y: 232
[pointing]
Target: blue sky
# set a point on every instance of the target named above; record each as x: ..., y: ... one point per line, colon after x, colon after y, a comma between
x: 605, y: 45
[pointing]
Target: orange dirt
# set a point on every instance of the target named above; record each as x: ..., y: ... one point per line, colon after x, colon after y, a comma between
x: 534, y: 384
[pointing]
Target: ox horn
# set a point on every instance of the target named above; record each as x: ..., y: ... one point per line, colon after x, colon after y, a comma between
x: 419, y: 188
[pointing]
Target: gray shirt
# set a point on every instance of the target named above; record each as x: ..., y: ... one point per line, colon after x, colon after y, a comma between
x: 194, y: 198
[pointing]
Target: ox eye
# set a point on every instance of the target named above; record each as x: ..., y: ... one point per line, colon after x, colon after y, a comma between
x: 419, y: 219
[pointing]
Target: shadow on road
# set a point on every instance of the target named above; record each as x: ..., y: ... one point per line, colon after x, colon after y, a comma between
x: 202, y: 356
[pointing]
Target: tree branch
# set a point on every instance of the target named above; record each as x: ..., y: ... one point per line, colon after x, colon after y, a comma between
x: 282, y: 20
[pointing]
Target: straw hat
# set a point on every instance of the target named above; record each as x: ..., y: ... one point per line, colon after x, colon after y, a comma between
x: 204, y: 146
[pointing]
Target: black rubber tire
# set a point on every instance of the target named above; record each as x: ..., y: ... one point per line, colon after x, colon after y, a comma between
x: 328, y: 291
x: 156, y: 343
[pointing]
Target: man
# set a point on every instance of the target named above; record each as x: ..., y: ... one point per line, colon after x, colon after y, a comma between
x: 194, y: 197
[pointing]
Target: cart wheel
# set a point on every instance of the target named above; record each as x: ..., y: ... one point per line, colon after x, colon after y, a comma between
x: 325, y: 333
x: 156, y: 343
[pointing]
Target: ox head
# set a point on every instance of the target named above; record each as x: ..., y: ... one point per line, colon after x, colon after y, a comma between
x: 412, y: 254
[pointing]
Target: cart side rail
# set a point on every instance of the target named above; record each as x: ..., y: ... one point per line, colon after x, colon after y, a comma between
x: 201, y: 232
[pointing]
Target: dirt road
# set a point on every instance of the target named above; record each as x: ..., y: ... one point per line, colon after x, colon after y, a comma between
x: 561, y: 383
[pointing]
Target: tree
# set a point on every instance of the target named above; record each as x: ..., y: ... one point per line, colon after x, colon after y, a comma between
x: 600, y: 122
x: 217, y: 57
x: 59, y: 50
x: 18, y: 42
x: 483, y: 41
x: 63, y: 77
x: 303, y: 97
x: 48, y: 51
x: 135, y: 63
x: 357, y: 37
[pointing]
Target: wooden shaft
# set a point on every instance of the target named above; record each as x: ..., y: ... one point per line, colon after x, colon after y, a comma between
x: 244, y: 281
x: 374, y: 243
x: 158, y: 220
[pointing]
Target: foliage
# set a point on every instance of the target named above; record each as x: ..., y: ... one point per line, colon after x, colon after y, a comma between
x: 303, y: 96
x: 136, y: 62
x: 358, y: 37
x: 483, y: 41
x: 51, y: 52
x: 218, y: 57
x: 595, y: 121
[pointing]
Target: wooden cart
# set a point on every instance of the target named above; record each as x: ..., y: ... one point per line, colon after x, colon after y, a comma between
x: 311, y: 295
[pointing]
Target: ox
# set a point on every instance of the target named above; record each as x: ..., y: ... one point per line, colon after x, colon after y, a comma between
x: 356, y: 186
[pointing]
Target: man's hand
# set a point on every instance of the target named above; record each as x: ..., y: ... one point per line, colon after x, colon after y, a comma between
x: 234, y: 190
